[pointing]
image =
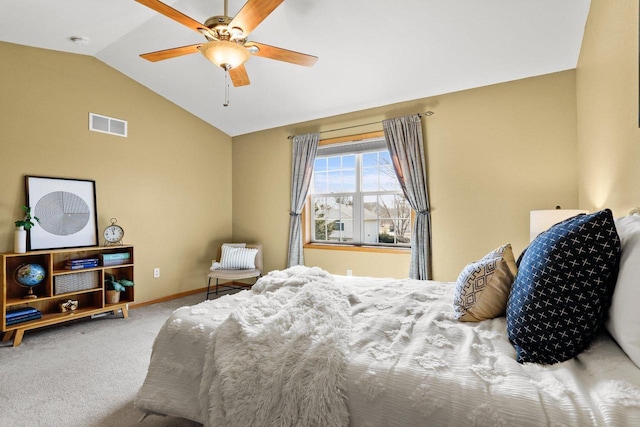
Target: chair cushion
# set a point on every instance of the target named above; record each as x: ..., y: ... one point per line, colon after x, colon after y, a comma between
x: 234, y: 274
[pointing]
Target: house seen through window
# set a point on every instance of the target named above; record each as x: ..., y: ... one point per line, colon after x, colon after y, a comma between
x: 356, y: 198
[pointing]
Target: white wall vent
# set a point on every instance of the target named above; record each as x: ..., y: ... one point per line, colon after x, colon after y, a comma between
x: 104, y: 124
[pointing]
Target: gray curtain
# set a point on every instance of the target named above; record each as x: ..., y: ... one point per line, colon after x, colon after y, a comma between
x: 305, y: 148
x: 404, y: 140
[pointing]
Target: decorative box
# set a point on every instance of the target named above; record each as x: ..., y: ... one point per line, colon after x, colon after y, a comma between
x: 75, y: 282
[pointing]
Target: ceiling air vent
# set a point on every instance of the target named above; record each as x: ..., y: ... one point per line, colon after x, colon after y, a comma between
x: 104, y: 124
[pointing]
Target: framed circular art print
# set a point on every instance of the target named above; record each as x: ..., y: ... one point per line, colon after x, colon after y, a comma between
x: 67, y: 212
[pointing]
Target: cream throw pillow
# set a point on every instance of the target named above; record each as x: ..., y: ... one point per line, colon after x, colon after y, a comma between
x: 506, y: 253
x: 483, y: 287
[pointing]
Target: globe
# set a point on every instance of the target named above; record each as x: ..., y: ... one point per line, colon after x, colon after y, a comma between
x: 30, y: 275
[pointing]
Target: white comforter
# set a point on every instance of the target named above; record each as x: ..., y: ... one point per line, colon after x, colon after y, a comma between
x: 410, y: 363
x: 279, y: 358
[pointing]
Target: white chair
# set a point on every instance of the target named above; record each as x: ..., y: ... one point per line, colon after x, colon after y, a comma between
x: 232, y: 275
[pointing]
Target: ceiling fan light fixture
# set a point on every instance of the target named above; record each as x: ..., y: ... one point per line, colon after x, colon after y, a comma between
x: 237, y: 33
x: 225, y: 54
x: 207, y: 33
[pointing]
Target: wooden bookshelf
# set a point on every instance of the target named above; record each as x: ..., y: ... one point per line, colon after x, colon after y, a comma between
x: 85, y: 285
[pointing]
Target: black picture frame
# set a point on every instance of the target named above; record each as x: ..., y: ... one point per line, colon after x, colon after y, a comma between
x: 67, y: 211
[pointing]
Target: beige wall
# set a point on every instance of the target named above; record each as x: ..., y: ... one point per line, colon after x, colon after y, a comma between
x: 607, y: 105
x: 493, y: 154
x: 168, y: 183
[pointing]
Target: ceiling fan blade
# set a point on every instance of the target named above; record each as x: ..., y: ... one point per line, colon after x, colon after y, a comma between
x: 170, y: 12
x: 239, y: 76
x: 285, y: 55
x: 253, y: 13
x: 161, y: 55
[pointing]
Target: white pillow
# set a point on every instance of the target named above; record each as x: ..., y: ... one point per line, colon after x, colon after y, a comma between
x: 234, y: 258
x: 623, y: 322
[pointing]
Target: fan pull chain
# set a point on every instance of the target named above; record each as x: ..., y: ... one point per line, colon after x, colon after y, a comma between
x: 226, y: 87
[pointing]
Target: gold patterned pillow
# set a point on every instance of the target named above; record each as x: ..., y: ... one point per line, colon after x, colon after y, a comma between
x: 483, y: 287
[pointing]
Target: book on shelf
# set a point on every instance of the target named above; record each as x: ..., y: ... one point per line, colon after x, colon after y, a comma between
x: 21, y: 312
x: 82, y: 261
x: 26, y: 318
x: 116, y: 258
x: 22, y: 315
x: 75, y: 264
x: 79, y: 265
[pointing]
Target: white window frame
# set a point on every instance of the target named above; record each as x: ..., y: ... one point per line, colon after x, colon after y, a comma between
x: 377, y: 144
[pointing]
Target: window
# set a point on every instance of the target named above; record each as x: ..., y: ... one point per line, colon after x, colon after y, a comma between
x: 355, y: 197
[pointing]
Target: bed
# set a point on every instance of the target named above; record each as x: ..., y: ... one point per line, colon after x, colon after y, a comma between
x: 304, y: 347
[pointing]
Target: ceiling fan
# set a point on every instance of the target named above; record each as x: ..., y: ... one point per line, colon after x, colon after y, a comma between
x: 227, y: 45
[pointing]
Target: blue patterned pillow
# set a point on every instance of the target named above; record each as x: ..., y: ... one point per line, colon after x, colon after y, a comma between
x: 563, y: 288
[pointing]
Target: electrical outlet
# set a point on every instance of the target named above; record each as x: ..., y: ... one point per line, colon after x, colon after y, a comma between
x: 349, y: 272
x: 156, y: 273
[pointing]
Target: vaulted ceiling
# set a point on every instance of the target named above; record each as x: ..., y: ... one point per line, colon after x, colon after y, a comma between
x: 371, y: 52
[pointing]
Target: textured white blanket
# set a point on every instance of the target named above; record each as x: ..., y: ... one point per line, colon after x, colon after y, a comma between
x: 410, y: 363
x: 279, y: 358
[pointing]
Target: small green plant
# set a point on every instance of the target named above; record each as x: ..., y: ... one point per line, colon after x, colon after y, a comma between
x: 26, y: 223
x: 114, y: 284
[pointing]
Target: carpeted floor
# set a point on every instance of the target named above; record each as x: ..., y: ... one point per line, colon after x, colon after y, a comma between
x: 84, y: 373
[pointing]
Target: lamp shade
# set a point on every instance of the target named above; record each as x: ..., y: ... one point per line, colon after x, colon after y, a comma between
x: 540, y: 221
x: 225, y: 54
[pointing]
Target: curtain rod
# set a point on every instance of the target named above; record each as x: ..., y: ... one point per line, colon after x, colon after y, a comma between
x: 425, y: 114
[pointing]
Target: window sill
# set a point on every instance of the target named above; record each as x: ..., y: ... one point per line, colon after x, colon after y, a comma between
x: 358, y: 248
